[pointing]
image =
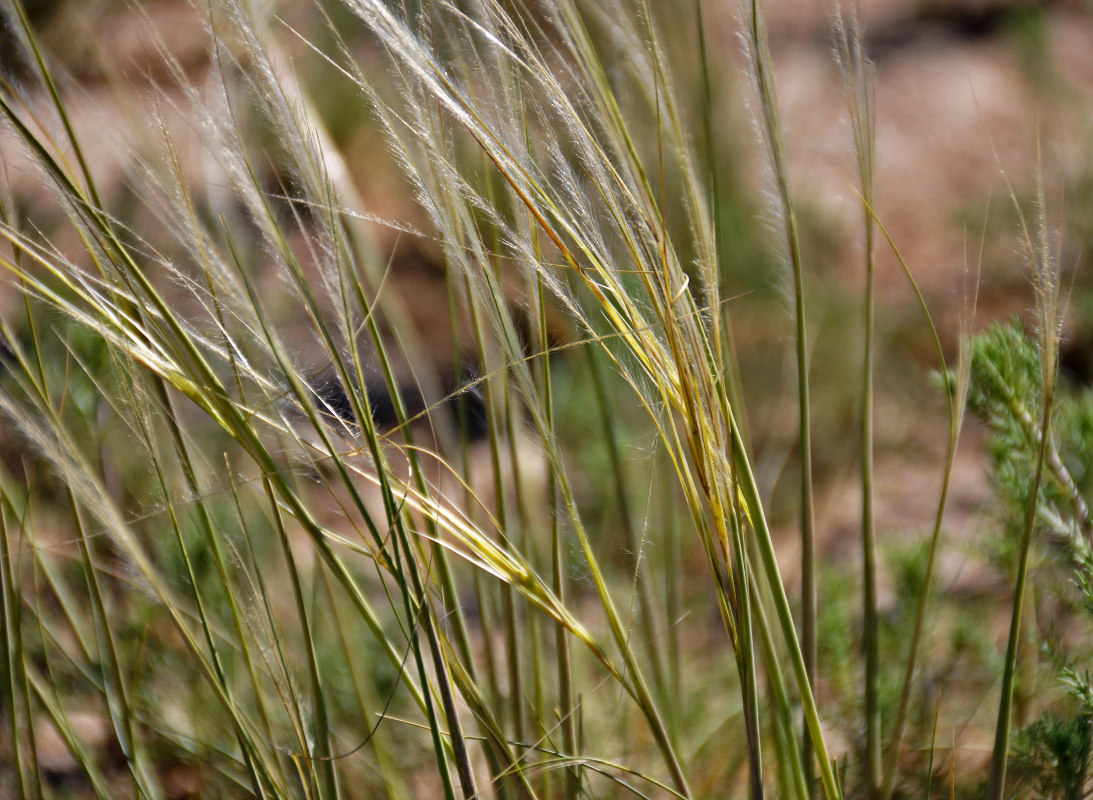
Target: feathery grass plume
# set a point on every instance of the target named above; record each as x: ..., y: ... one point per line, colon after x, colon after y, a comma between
x: 235, y: 366
x: 245, y: 477
x: 122, y: 305
x: 769, y: 127
x: 450, y: 198
x: 584, y: 183
x: 859, y: 84
x: 1036, y: 241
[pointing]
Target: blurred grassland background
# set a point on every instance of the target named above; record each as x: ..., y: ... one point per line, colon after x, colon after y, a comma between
x: 278, y: 639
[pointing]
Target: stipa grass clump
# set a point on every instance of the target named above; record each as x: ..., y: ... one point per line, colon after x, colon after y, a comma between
x: 283, y: 548
x: 212, y: 559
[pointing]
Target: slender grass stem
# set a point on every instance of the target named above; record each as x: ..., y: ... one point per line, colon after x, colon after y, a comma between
x: 16, y: 687
x: 318, y: 743
x: 858, y: 84
x: 727, y: 356
x: 772, y: 131
x: 567, y: 708
x: 750, y: 491
x: 891, y: 763
x: 1000, y: 754
x: 642, y: 589
x: 791, y: 765
x: 955, y: 397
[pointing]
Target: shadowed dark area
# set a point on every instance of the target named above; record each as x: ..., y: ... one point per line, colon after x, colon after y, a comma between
x: 937, y: 23
x: 465, y: 404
